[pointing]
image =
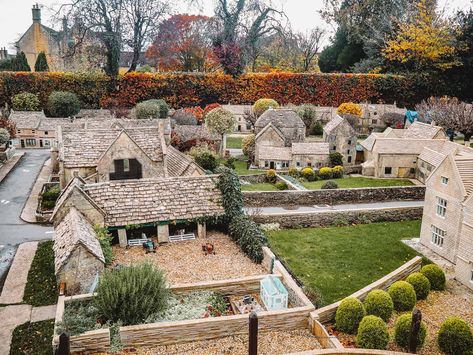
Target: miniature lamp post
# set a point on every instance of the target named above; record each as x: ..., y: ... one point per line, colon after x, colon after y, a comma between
x: 253, y: 334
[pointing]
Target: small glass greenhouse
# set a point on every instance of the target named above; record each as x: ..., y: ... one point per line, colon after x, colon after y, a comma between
x: 273, y: 293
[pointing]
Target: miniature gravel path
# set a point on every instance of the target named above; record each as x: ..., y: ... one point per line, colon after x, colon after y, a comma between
x: 15, y: 283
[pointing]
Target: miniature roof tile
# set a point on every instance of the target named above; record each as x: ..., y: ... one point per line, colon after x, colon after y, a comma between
x: 276, y: 153
x: 180, y: 164
x: 27, y: 119
x: 189, y: 132
x: 332, y: 124
x: 465, y: 169
x: 421, y: 130
x: 74, y: 230
x: 238, y: 110
x: 155, y: 200
x: 310, y: 148
x: 280, y: 118
x: 403, y: 146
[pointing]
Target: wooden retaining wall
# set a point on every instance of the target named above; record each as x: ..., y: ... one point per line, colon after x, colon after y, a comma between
x: 349, y: 351
x: 327, y: 314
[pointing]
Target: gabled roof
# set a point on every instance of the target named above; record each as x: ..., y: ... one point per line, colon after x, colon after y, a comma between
x: 419, y: 130
x: 180, y: 164
x: 188, y: 132
x: 268, y: 127
x: 280, y: 118
x: 403, y: 146
x: 238, y: 110
x: 311, y: 148
x: 464, y: 164
x: 73, y: 231
x: 276, y: 153
x: 333, y: 123
x: 27, y: 119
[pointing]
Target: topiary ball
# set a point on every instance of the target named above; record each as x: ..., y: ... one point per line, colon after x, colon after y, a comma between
x: 349, y: 315
x: 281, y: 185
x: 403, y: 295
x: 372, y: 333
x: 329, y: 185
x: 380, y: 304
x: 420, y: 283
x: 455, y: 337
x: 262, y: 105
x: 25, y: 101
x: 435, y: 275
x: 63, y: 104
x: 402, y: 331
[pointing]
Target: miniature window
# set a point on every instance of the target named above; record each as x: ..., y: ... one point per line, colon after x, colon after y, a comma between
x: 348, y: 151
x: 444, y: 180
x: 349, y: 142
x: 45, y: 133
x: 441, y: 207
x: 334, y: 147
x: 388, y: 170
x: 298, y: 164
x: 266, y: 164
x: 437, y: 235
x: 374, y: 121
x: 126, y: 165
x: 349, y: 159
x: 33, y: 131
x: 471, y: 276
x: 19, y: 131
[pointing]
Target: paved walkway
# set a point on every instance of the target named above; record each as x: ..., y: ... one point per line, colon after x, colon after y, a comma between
x: 9, y: 165
x: 29, y: 211
x: 14, y: 287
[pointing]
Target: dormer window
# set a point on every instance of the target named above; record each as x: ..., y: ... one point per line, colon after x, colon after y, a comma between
x: 444, y: 180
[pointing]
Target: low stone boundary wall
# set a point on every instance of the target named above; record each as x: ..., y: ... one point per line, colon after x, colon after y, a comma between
x: 327, y: 314
x: 7, y: 154
x: 347, y: 217
x: 332, y: 197
x: 253, y: 178
x: 350, y: 351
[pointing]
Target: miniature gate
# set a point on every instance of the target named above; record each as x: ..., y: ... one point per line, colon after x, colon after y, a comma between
x: 273, y: 293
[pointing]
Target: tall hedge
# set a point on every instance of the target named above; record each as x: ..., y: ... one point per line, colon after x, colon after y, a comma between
x: 188, y: 89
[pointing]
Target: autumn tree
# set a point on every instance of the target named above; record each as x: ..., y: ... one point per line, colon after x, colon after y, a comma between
x: 422, y: 45
x: 182, y: 43
x: 222, y: 122
x: 309, y: 44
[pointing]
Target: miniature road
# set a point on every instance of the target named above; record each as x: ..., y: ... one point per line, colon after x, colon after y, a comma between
x: 327, y: 208
x: 14, y: 191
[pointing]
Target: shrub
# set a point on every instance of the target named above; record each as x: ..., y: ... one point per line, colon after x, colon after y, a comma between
x: 4, y: 136
x: 326, y: 173
x: 145, y: 69
x: 308, y: 114
x: 152, y: 109
x: 338, y: 171
x: 435, y: 275
x: 230, y: 163
x: 402, y: 331
x: 105, y: 240
x: 249, y: 236
x: 248, y: 146
x: 50, y: 197
x: 316, y: 129
x: 130, y: 294
x: 63, y: 104
x: 372, y: 333
x: 403, y: 296
x: 349, y: 315
x: 281, y: 185
x: 420, y: 283
x: 308, y: 174
x: 455, y: 337
x: 207, y: 161
x: 25, y: 101
x: 232, y: 198
x: 329, y: 185
x: 209, y: 108
x: 41, y: 63
x: 349, y: 108
x: 293, y: 172
x: 379, y: 303
x: 271, y: 176
x: 335, y: 159
x: 184, y: 118
x: 262, y: 105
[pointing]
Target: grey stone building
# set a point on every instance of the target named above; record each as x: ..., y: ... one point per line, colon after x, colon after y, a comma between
x: 341, y: 138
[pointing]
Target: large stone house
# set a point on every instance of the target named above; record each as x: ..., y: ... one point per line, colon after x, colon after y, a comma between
x: 240, y: 112
x: 280, y: 142
x: 98, y: 155
x: 394, y: 153
x: 447, y: 222
x: 341, y: 138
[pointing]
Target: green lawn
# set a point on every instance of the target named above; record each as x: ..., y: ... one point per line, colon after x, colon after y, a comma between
x: 234, y: 142
x: 353, y: 182
x: 33, y: 338
x: 263, y: 186
x: 240, y: 168
x: 338, y: 261
x: 41, y: 288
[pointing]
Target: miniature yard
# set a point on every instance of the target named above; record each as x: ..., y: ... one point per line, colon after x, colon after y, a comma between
x: 338, y: 261
x: 358, y: 182
x: 262, y: 186
x: 184, y: 262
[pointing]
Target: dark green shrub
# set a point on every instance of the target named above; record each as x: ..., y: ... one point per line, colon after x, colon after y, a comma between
x: 230, y: 163
x: 349, y: 315
x: 155, y: 108
x: 379, y: 303
x: 249, y: 236
x: 335, y: 159
x: 402, y: 331
x: 131, y: 294
x: 25, y: 102
x: 281, y: 185
x: 455, y: 337
x: 372, y: 333
x: 105, y: 240
x: 207, y: 161
x: 271, y: 176
x: 63, y: 104
x: 20, y: 63
x: 435, y: 275
x: 41, y: 63
x: 329, y: 185
x: 403, y: 296
x: 420, y: 283
x: 307, y: 113
x: 316, y: 129
x: 50, y: 197
x: 4, y: 136
x: 232, y: 198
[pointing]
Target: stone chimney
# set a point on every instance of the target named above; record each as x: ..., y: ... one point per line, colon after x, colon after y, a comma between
x: 36, y: 13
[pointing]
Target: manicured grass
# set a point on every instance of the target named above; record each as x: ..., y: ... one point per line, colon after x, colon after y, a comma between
x: 263, y: 186
x: 338, y: 261
x: 240, y: 168
x: 234, y: 142
x: 41, y: 288
x: 33, y: 338
x: 353, y: 182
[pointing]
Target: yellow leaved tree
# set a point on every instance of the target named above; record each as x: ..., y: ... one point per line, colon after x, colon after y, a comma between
x: 428, y: 42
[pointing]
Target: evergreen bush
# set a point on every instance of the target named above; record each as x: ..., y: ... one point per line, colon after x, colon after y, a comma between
x: 155, y: 108
x: 271, y: 176
x: 63, y: 104
x: 105, y: 240
x: 403, y: 296
x: 316, y: 129
x: 372, y: 333
x: 20, y: 63
x: 4, y: 136
x: 249, y: 236
x: 379, y: 303
x: 455, y: 337
x: 207, y: 161
x: 435, y: 275
x: 349, y: 315
x: 420, y: 283
x: 41, y: 64
x: 329, y: 185
x: 281, y: 185
x: 184, y: 118
x: 50, y: 197
x: 335, y: 159
x: 402, y: 331
x: 25, y: 101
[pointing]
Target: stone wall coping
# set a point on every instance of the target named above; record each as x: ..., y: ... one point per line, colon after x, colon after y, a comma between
x: 344, y: 189
x: 289, y: 213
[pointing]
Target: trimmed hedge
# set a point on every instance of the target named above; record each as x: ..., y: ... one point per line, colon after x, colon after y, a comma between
x: 420, y: 283
x: 455, y: 337
x: 402, y: 331
x: 372, y: 333
x: 249, y: 236
x: 349, y: 315
x: 435, y: 275
x: 380, y: 304
x: 187, y: 89
x: 403, y: 296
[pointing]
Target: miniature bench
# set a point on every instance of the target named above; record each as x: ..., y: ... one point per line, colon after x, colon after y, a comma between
x: 136, y: 242
x: 181, y: 237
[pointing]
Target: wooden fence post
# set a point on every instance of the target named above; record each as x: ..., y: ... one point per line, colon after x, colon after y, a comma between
x: 415, y: 329
x: 253, y: 334
x: 64, y: 347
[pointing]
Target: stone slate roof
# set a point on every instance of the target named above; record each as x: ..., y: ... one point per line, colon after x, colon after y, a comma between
x: 84, y: 147
x: 421, y: 130
x: 188, y: 132
x: 403, y: 146
x: 156, y: 200
x: 27, y: 119
x: 73, y: 231
x: 464, y: 165
x: 51, y: 124
x: 276, y: 153
x: 332, y: 124
x: 432, y: 157
x: 310, y: 148
x: 280, y: 118
x: 180, y: 164
x: 238, y: 110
